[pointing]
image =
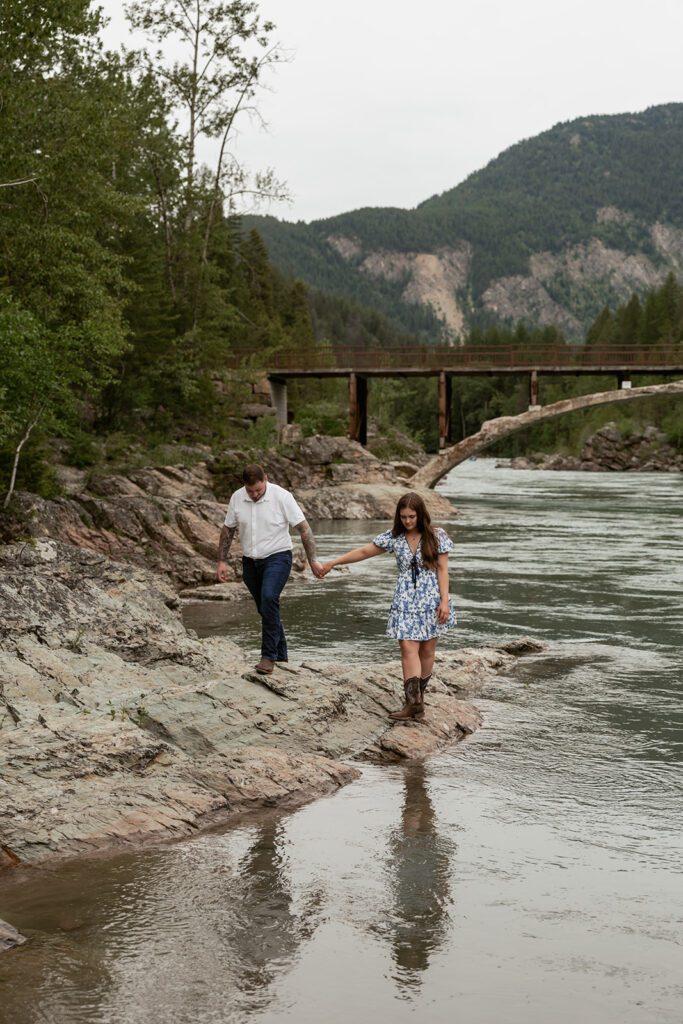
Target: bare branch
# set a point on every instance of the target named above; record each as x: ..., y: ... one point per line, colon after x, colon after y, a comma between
x: 17, y: 453
x: 20, y: 181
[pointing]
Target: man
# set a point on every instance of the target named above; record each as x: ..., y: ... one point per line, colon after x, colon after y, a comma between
x: 263, y: 514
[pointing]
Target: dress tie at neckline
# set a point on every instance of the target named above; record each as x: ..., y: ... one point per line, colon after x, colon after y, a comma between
x: 414, y: 570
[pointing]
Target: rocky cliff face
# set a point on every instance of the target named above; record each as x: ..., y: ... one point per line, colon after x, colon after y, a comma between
x: 560, y: 283
x: 117, y: 726
x: 168, y: 518
x: 608, y: 449
x: 433, y: 279
x: 558, y: 288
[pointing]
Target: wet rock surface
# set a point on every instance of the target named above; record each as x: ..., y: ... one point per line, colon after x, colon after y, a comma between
x: 168, y: 518
x: 608, y: 449
x: 9, y: 937
x: 117, y: 726
x: 369, y: 501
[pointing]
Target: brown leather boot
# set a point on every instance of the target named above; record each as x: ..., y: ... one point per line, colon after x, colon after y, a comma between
x: 413, y: 705
x: 423, y: 685
x: 265, y: 666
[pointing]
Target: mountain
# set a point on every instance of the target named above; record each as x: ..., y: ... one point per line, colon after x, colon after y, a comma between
x: 552, y: 230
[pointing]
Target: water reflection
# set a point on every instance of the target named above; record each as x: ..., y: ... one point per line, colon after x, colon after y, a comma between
x: 266, y: 932
x: 212, y: 925
x: 419, y: 864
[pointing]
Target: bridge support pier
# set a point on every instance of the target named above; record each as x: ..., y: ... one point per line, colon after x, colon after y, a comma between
x: 278, y: 397
x: 358, y: 408
x: 445, y: 402
x: 533, y: 390
x: 623, y: 382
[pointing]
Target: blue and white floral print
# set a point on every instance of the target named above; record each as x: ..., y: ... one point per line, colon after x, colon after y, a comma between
x: 416, y: 597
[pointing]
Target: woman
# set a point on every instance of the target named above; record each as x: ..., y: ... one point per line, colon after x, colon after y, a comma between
x: 420, y: 611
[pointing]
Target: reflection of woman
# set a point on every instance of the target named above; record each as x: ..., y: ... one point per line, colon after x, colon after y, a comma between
x: 420, y: 867
x: 420, y: 611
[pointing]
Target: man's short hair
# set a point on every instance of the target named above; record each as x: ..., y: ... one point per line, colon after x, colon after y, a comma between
x: 253, y: 474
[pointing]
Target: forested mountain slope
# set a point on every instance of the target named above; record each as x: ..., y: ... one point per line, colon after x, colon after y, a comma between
x: 552, y: 230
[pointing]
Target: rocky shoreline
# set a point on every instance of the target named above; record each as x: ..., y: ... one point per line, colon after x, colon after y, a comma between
x: 610, y: 450
x: 120, y: 727
x: 168, y: 518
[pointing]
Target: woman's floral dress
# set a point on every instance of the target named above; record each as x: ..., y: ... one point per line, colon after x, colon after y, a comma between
x: 416, y: 597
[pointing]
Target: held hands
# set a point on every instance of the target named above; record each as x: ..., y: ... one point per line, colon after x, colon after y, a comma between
x: 443, y: 613
x: 321, y: 569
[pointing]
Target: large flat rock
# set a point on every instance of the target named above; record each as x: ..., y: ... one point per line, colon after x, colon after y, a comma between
x: 117, y: 726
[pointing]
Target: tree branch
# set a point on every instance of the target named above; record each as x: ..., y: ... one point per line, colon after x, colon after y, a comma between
x: 20, y: 181
x: 17, y: 453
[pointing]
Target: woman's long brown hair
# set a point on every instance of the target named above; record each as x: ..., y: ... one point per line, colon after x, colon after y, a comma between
x: 430, y: 547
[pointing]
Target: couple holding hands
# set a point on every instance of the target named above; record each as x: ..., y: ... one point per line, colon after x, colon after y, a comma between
x: 420, y: 611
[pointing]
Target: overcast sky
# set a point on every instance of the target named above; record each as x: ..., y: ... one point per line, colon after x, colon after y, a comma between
x: 388, y: 102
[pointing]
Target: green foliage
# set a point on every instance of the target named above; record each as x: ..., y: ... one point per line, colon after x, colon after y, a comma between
x: 262, y: 433
x: 125, y: 278
x: 35, y: 472
x: 83, y: 451
x: 323, y: 417
x: 656, y: 321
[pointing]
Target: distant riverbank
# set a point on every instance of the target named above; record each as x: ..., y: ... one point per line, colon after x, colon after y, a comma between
x: 612, y: 450
x: 168, y: 517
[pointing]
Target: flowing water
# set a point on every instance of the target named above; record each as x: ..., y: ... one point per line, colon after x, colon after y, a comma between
x: 531, y: 874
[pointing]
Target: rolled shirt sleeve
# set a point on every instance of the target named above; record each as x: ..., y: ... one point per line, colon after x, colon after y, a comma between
x: 230, y: 516
x: 291, y: 508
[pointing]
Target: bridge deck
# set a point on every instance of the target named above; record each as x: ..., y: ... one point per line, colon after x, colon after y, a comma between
x: 476, y: 370
x: 430, y: 361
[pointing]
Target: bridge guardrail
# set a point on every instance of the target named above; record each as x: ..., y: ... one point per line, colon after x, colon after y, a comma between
x: 445, y: 358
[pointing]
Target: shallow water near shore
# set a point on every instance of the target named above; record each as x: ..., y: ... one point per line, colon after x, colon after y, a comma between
x: 530, y: 874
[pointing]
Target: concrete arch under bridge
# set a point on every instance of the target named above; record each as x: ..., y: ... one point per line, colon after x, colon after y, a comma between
x: 495, y: 430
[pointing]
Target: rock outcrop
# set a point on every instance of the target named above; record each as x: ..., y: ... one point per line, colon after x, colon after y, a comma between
x: 118, y: 726
x: 9, y: 937
x: 432, y: 279
x: 168, y: 518
x: 436, y: 279
x: 608, y: 449
x: 577, y: 271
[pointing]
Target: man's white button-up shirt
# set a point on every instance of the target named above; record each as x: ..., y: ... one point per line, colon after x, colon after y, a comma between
x: 264, y: 524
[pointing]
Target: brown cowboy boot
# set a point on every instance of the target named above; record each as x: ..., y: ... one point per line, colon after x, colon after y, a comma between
x: 413, y: 705
x: 423, y: 685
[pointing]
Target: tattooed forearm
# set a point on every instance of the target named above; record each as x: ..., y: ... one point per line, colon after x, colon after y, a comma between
x: 308, y: 541
x: 224, y: 542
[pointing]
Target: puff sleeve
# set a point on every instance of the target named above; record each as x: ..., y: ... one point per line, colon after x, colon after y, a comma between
x: 385, y: 540
x: 444, y: 542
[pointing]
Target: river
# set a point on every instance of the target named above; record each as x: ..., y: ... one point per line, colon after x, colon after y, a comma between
x: 530, y: 874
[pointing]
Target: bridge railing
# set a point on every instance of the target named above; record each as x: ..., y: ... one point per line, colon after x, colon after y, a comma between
x: 476, y: 357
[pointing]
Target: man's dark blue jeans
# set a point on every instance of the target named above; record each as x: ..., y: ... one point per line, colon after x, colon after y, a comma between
x: 266, y: 578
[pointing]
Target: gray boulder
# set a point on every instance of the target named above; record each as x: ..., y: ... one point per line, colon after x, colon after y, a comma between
x: 9, y: 937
